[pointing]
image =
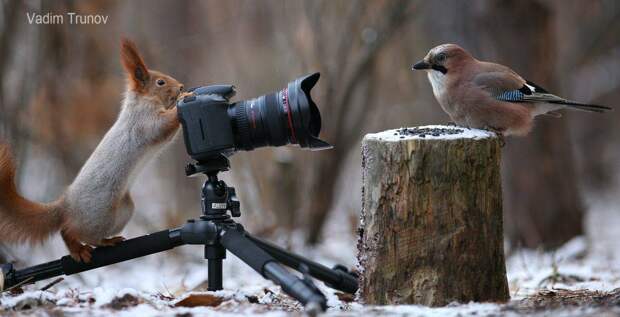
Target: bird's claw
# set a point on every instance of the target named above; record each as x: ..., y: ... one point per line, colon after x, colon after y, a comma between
x: 502, y: 140
x: 499, y: 134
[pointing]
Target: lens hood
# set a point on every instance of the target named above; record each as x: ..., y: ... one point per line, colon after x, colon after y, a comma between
x: 306, y: 117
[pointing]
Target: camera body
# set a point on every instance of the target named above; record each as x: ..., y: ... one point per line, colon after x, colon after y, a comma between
x: 213, y: 126
x: 207, y: 128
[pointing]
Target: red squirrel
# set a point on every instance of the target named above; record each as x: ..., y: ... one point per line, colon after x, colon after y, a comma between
x: 97, y: 205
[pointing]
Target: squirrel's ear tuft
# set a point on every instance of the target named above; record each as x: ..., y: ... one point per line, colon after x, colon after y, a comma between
x: 134, y: 65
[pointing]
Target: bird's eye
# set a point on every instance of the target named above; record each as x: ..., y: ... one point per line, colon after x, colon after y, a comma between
x: 161, y: 82
x: 441, y: 57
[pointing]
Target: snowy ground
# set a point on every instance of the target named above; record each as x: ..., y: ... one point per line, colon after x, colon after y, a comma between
x: 160, y: 285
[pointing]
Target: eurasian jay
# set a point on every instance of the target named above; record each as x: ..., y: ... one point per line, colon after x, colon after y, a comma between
x: 490, y: 96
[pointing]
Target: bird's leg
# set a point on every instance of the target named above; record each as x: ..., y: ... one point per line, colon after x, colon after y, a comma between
x: 451, y: 124
x: 502, y: 141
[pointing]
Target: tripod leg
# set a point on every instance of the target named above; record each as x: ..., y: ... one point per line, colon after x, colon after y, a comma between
x: 335, y: 278
x: 194, y: 232
x: 215, y: 275
x: 123, y: 251
x: 233, y: 239
x: 214, y: 255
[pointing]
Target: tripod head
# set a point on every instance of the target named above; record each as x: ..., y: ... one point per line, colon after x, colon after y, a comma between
x: 209, y: 166
x: 217, y: 197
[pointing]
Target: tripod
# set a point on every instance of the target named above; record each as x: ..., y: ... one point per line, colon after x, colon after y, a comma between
x: 216, y: 230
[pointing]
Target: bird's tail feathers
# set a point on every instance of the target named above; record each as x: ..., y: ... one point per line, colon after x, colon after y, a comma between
x: 582, y: 106
x: 21, y: 219
x: 573, y: 105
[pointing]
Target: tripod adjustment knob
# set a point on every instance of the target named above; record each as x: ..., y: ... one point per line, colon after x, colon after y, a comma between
x: 233, y: 203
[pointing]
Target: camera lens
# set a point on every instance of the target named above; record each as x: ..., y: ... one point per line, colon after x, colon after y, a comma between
x: 288, y: 116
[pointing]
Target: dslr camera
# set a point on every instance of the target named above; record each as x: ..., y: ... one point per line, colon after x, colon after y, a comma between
x: 213, y: 126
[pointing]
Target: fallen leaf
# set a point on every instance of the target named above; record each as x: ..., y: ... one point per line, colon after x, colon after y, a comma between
x: 345, y: 297
x: 252, y: 299
x: 194, y: 300
x: 124, y: 302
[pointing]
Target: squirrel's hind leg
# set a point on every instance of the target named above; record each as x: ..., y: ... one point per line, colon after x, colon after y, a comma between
x: 108, y: 242
x: 78, y: 250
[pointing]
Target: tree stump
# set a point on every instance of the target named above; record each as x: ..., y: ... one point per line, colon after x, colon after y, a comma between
x: 431, y: 228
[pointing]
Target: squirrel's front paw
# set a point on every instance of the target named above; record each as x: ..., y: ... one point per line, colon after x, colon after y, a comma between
x: 81, y: 253
x: 184, y: 94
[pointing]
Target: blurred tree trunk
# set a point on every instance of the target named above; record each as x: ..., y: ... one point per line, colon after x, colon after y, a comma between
x: 346, y: 65
x: 543, y: 206
x: 592, y: 51
x: 287, y: 203
x: 8, y: 30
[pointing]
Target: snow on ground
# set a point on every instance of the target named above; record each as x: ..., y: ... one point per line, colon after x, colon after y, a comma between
x: 157, y: 285
x: 591, y: 262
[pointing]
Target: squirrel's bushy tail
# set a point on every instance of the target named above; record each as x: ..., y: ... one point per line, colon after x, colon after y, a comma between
x: 21, y: 219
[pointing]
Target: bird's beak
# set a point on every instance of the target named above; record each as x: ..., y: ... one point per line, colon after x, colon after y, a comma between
x: 421, y: 65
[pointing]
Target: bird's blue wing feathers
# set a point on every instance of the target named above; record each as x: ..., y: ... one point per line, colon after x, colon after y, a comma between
x: 510, y: 96
x: 528, y: 93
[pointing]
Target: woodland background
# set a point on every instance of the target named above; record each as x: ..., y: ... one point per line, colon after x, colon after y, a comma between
x: 61, y: 85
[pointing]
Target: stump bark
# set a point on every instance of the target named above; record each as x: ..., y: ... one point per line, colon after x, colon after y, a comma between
x: 431, y: 229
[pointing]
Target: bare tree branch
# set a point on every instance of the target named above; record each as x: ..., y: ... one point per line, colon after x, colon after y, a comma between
x: 347, y: 31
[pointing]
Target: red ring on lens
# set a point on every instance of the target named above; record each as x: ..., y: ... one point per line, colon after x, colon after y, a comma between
x: 288, y: 112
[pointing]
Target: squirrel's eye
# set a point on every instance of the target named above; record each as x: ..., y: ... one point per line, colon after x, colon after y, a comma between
x: 441, y: 57
x: 161, y: 82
